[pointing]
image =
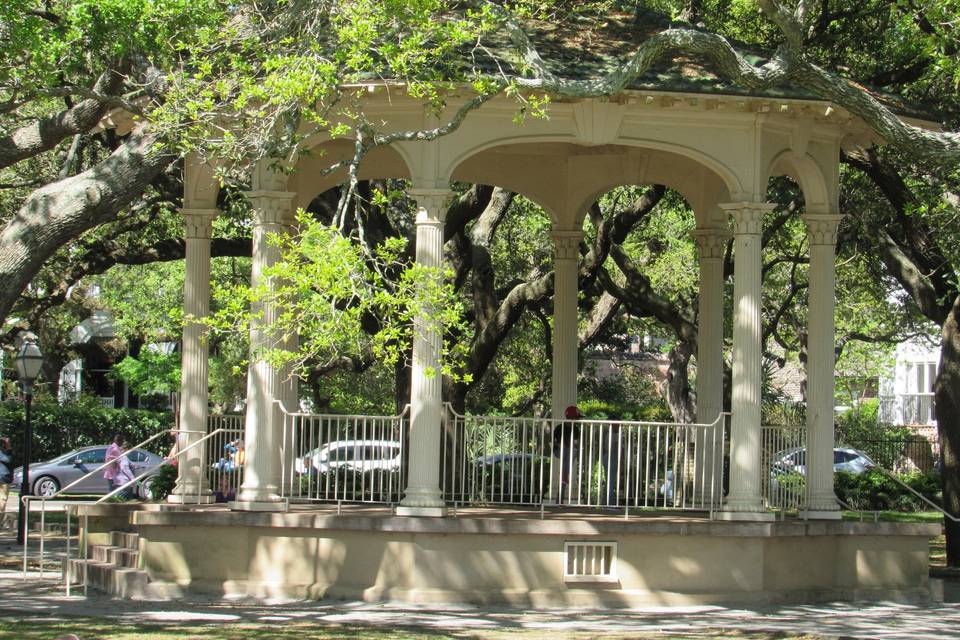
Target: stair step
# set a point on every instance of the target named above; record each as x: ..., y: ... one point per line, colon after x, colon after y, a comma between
x: 124, y: 539
x: 123, y: 582
x: 118, y: 556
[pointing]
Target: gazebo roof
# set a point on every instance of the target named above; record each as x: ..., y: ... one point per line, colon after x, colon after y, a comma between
x: 589, y: 49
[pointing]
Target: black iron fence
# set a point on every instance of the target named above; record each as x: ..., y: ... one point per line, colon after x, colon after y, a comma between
x: 902, y: 455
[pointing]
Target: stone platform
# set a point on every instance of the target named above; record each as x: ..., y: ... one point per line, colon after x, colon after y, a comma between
x: 491, y: 556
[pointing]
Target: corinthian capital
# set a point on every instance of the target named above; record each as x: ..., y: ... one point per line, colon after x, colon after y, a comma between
x: 567, y: 244
x: 432, y: 204
x: 712, y: 243
x: 198, y: 223
x: 748, y: 216
x: 822, y: 228
x: 272, y: 207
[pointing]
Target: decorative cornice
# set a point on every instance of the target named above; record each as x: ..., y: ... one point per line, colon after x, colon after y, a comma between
x: 432, y: 204
x: 567, y: 244
x: 198, y: 223
x: 712, y: 243
x: 748, y: 216
x: 822, y: 228
x: 272, y: 207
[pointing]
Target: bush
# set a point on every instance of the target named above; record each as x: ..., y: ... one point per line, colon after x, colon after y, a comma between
x: 59, y: 428
x: 162, y: 484
x: 874, y: 490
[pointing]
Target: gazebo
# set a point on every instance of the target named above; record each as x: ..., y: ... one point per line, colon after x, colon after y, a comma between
x: 716, y: 146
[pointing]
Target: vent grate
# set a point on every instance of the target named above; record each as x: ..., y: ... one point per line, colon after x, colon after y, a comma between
x: 590, y: 562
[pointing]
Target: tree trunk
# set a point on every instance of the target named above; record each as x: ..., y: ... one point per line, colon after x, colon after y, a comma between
x: 947, y: 390
x: 678, y: 383
x: 58, y: 212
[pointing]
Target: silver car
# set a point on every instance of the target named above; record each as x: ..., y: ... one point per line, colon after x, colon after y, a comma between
x: 46, y: 478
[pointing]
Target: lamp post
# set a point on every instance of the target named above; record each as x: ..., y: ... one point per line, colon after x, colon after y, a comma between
x: 28, y: 361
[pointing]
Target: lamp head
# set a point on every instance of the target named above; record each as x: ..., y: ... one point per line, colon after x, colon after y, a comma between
x: 29, y: 361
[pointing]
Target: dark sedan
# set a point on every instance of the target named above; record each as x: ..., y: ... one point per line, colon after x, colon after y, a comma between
x: 46, y: 478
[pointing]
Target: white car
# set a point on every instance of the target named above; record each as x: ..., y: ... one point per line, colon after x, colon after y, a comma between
x: 795, y: 460
x: 358, y: 456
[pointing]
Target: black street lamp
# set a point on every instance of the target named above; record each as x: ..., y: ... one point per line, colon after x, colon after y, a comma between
x: 29, y: 360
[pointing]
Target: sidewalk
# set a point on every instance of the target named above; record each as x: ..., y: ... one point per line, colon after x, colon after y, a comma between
x: 45, y: 597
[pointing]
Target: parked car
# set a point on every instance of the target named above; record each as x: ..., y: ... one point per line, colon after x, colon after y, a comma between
x: 46, y: 478
x: 795, y: 460
x: 358, y: 456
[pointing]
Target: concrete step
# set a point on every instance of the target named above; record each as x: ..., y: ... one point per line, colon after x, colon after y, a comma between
x: 124, y: 539
x: 122, y: 582
x: 118, y: 556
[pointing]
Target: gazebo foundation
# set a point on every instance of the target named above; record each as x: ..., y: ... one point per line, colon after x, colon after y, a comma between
x: 566, y: 559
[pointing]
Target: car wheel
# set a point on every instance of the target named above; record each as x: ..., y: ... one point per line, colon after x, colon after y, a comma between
x: 146, y: 489
x: 45, y: 487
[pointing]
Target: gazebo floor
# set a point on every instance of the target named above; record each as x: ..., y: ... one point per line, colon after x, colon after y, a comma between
x: 562, y: 557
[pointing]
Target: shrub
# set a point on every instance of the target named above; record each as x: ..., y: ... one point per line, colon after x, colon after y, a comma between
x: 874, y: 490
x: 162, y: 484
x: 59, y: 428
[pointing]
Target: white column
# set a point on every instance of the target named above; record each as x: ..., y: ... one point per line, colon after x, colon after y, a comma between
x: 744, y: 501
x: 263, y: 433
x: 712, y: 244
x: 566, y: 265
x: 822, y: 235
x: 194, y: 384
x: 423, y: 496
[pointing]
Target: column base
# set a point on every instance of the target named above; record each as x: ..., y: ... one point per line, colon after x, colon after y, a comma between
x: 425, y: 512
x: 832, y: 514
x: 203, y: 498
x: 745, y: 516
x: 273, y: 505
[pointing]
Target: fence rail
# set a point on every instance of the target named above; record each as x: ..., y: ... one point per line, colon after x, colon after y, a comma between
x: 344, y: 458
x: 783, y: 466
x: 590, y: 463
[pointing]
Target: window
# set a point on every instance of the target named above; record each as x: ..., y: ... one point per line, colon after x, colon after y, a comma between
x: 138, y: 456
x: 91, y: 456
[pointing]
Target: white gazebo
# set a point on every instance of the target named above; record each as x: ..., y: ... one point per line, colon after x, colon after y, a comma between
x: 718, y: 150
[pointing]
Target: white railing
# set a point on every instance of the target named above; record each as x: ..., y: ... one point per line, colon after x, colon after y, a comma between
x: 584, y: 463
x: 783, y: 466
x: 344, y: 458
x: 908, y: 408
x: 224, y: 454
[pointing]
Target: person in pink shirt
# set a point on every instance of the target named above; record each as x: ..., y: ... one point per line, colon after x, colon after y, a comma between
x: 110, y: 465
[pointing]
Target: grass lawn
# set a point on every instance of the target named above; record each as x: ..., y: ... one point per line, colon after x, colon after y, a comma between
x: 100, y: 629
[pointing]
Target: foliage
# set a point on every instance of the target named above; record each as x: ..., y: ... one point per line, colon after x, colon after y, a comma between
x: 152, y: 372
x: 163, y: 482
x: 60, y: 428
x: 327, y: 289
x: 862, y: 423
x: 874, y: 490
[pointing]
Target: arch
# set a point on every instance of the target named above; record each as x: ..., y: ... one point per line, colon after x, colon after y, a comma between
x: 804, y: 169
x: 727, y: 175
x: 379, y: 163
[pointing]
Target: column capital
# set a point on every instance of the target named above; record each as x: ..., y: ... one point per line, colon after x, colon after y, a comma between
x: 567, y: 244
x: 271, y: 207
x: 198, y: 223
x: 748, y: 216
x: 822, y: 228
x: 712, y: 243
x: 432, y: 204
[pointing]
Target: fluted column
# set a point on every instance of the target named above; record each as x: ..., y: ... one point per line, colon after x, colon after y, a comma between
x: 566, y: 263
x: 263, y: 433
x: 423, y: 496
x: 712, y: 244
x: 194, y: 383
x: 822, y: 235
x: 744, y: 501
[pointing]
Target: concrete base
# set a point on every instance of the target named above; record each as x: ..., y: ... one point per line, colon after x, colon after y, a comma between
x: 820, y: 515
x: 426, y: 512
x: 745, y: 516
x: 274, y: 506
x: 519, y: 559
x: 203, y: 498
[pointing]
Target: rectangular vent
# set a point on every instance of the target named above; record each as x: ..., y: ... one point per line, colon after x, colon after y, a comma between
x: 590, y: 562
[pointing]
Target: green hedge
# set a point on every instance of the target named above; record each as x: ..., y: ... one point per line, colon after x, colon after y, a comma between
x: 59, y: 428
x: 875, y: 491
